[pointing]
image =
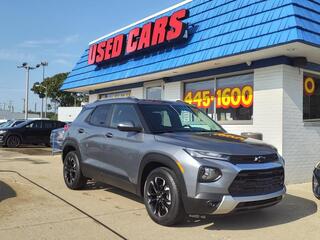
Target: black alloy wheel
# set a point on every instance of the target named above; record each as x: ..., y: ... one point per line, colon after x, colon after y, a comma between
x: 159, y: 196
x: 13, y: 141
x: 162, y: 197
x: 72, y: 172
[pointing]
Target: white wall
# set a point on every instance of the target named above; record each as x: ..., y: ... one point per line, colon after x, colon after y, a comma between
x: 68, y: 114
x: 301, y: 142
x: 137, y: 92
x: 93, y: 98
x: 173, y: 91
x: 267, y: 109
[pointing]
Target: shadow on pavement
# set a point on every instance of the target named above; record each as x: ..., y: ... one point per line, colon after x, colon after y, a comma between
x: 102, y: 186
x: 291, y: 209
x: 6, y: 191
x: 31, y: 150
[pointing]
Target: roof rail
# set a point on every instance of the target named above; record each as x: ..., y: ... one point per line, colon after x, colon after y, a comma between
x: 109, y: 99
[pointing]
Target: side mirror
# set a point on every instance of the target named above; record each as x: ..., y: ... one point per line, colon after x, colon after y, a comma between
x: 128, y: 127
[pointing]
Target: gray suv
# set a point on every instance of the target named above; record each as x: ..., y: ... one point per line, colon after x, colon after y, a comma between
x: 174, y: 156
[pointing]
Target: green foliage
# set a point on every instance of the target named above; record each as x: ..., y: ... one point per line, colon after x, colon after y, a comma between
x: 52, y: 85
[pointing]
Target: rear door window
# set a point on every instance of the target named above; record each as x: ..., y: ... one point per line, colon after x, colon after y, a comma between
x: 34, y: 125
x: 100, y: 115
x: 48, y: 125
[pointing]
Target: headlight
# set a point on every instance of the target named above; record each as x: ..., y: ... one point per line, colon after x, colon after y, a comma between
x: 209, y: 174
x: 281, y: 159
x: 206, y: 154
x: 2, y: 132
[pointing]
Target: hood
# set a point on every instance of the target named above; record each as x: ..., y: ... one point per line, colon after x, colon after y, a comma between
x: 224, y: 143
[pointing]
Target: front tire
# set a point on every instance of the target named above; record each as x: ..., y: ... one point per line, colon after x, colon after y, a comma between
x: 13, y: 141
x: 162, y: 197
x: 72, y: 172
x: 315, y: 187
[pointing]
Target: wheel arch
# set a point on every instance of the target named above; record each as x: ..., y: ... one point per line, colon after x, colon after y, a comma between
x: 14, y: 134
x: 69, y: 145
x: 152, y: 161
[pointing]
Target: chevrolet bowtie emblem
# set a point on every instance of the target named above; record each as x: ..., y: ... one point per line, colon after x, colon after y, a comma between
x: 260, y: 159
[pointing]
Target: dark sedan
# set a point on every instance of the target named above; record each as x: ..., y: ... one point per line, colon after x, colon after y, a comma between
x: 316, y: 181
x: 30, y: 132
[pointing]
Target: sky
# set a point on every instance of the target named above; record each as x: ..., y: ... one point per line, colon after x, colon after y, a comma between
x: 57, y: 32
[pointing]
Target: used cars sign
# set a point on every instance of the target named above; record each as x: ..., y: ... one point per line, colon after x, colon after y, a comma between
x: 163, y: 30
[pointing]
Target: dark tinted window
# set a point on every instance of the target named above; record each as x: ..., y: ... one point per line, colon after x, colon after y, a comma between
x: 17, y: 123
x: 177, y: 118
x: 48, y: 124
x: 100, y: 115
x: 34, y: 124
x: 311, y: 97
x: 124, y: 113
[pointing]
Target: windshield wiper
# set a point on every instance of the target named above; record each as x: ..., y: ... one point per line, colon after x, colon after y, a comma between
x: 164, y: 131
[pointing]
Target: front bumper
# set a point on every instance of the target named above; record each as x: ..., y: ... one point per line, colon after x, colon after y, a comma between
x: 216, y: 204
x: 230, y: 204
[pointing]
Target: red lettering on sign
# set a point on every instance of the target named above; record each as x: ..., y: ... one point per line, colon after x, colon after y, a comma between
x: 100, y: 52
x: 132, y: 40
x: 178, y: 28
x: 118, y: 46
x: 145, y: 39
x: 92, y: 54
x: 164, y: 29
x: 159, y: 31
x: 107, y: 54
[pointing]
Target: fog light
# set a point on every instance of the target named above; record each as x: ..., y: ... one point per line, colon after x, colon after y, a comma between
x: 209, y: 174
x: 212, y: 204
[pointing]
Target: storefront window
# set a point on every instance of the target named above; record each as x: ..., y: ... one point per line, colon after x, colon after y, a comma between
x: 201, y: 94
x: 234, y: 98
x: 311, y: 97
x: 154, y: 93
x: 226, y: 99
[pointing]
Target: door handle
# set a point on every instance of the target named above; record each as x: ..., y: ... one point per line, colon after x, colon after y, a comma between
x: 80, y: 130
x: 109, y: 135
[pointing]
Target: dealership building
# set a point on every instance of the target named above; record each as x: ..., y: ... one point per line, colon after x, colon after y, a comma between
x: 252, y: 65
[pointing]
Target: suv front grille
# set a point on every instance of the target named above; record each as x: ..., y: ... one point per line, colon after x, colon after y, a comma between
x: 238, y: 159
x: 257, y: 182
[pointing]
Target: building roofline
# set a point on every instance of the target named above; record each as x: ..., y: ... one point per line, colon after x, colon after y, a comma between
x: 141, y: 21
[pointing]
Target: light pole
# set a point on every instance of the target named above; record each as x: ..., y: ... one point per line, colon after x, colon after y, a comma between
x: 37, y: 84
x: 27, y: 68
x: 44, y: 64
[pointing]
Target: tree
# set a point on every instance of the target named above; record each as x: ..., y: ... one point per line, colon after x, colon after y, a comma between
x: 53, y: 85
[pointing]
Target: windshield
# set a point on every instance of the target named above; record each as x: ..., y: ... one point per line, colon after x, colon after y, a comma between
x: 177, y: 118
x: 7, y: 124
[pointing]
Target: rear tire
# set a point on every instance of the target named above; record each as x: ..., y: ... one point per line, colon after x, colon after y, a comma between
x: 162, y: 197
x: 13, y: 141
x: 72, y: 174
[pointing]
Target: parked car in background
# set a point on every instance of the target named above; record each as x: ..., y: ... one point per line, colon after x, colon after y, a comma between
x: 29, y: 132
x: 57, y: 137
x: 174, y: 156
x: 316, y: 181
x: 12, y: 123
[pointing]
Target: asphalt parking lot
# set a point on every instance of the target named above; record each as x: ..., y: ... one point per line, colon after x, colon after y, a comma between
x: 35, y: 204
